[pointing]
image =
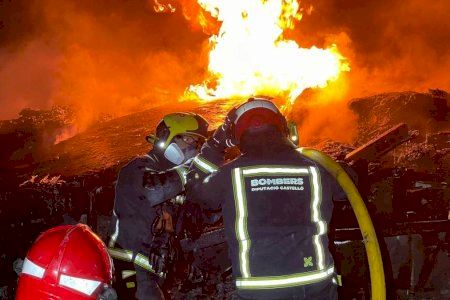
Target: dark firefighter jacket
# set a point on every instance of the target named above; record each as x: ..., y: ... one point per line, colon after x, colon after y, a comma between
x: 141, y: 185
x: 276, y: 206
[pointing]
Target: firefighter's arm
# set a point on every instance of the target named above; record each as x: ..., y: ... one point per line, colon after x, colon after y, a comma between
x: 206, y: 192
x: 212, y: 154
x: 162, y: 186
x: 204, y: 185
x: 208, y: 161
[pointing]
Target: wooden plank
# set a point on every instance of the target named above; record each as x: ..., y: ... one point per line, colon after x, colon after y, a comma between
x: 381, y: 144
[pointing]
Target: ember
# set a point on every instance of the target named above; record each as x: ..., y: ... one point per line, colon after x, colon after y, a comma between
x: 46, y: 180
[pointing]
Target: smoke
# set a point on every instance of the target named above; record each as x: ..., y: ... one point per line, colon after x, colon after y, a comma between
x: 100, y: 57
x: 392, y: 45
x: 27, y: 77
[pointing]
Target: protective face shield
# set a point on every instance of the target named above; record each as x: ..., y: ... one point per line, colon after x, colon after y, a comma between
x: 176, y: 155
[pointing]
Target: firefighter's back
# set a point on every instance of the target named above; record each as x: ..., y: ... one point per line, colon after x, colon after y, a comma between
x: 277, y: 219
x: 276, y: 206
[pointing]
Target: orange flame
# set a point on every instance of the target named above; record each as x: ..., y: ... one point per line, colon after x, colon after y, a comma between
x: 198, y: 18
x: 163, y: 7
x: 249, y: 55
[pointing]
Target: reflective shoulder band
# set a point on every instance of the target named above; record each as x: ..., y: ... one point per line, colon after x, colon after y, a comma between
x: 274, y: 282
x: 182, y: 172
x: 139, y: 260
x: 204, y: 165
x: 261, y: 170
x: 143, y: 262
x: 125, y: 255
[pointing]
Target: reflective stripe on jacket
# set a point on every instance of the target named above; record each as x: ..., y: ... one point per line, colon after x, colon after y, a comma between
x: 276, y: 205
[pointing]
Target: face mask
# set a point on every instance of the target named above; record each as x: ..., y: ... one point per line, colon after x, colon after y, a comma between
x: 174, y: 154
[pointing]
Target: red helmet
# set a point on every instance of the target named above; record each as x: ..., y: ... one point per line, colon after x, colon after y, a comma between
x: 257, y: 112
x: 67, y: 263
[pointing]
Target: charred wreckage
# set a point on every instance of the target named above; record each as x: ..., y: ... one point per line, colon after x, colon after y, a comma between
x: 401, y: 168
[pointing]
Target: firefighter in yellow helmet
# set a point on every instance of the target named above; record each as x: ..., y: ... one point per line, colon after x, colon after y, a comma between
x: 141, y: 188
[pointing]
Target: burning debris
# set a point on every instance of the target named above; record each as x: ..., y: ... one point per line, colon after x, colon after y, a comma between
x: 27, y: 138
x: 402, y: 169
x: 51, y: 173
x: 420, y: 111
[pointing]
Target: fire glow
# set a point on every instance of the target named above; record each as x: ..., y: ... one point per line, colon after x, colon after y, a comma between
x: 249, y: 55
x: 161, y: 7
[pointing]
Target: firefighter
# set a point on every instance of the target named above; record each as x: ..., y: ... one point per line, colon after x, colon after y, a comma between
x: 276, y: 206
x: 67, y: 263
x: 142, y: 188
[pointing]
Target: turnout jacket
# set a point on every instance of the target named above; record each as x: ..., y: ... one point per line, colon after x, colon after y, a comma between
x: 276, y: 205
x: 141, y: 185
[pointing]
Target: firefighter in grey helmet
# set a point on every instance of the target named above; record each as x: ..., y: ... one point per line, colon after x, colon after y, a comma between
x: 276, y: 206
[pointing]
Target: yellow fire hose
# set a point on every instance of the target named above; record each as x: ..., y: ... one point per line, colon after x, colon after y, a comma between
x: 362, y: 215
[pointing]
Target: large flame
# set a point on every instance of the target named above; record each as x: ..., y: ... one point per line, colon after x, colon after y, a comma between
x: 249, y: 55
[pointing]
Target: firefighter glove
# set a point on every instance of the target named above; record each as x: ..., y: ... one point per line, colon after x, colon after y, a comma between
x: 107, y: 293
x: 159, y: 259
x: 223, y: 137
